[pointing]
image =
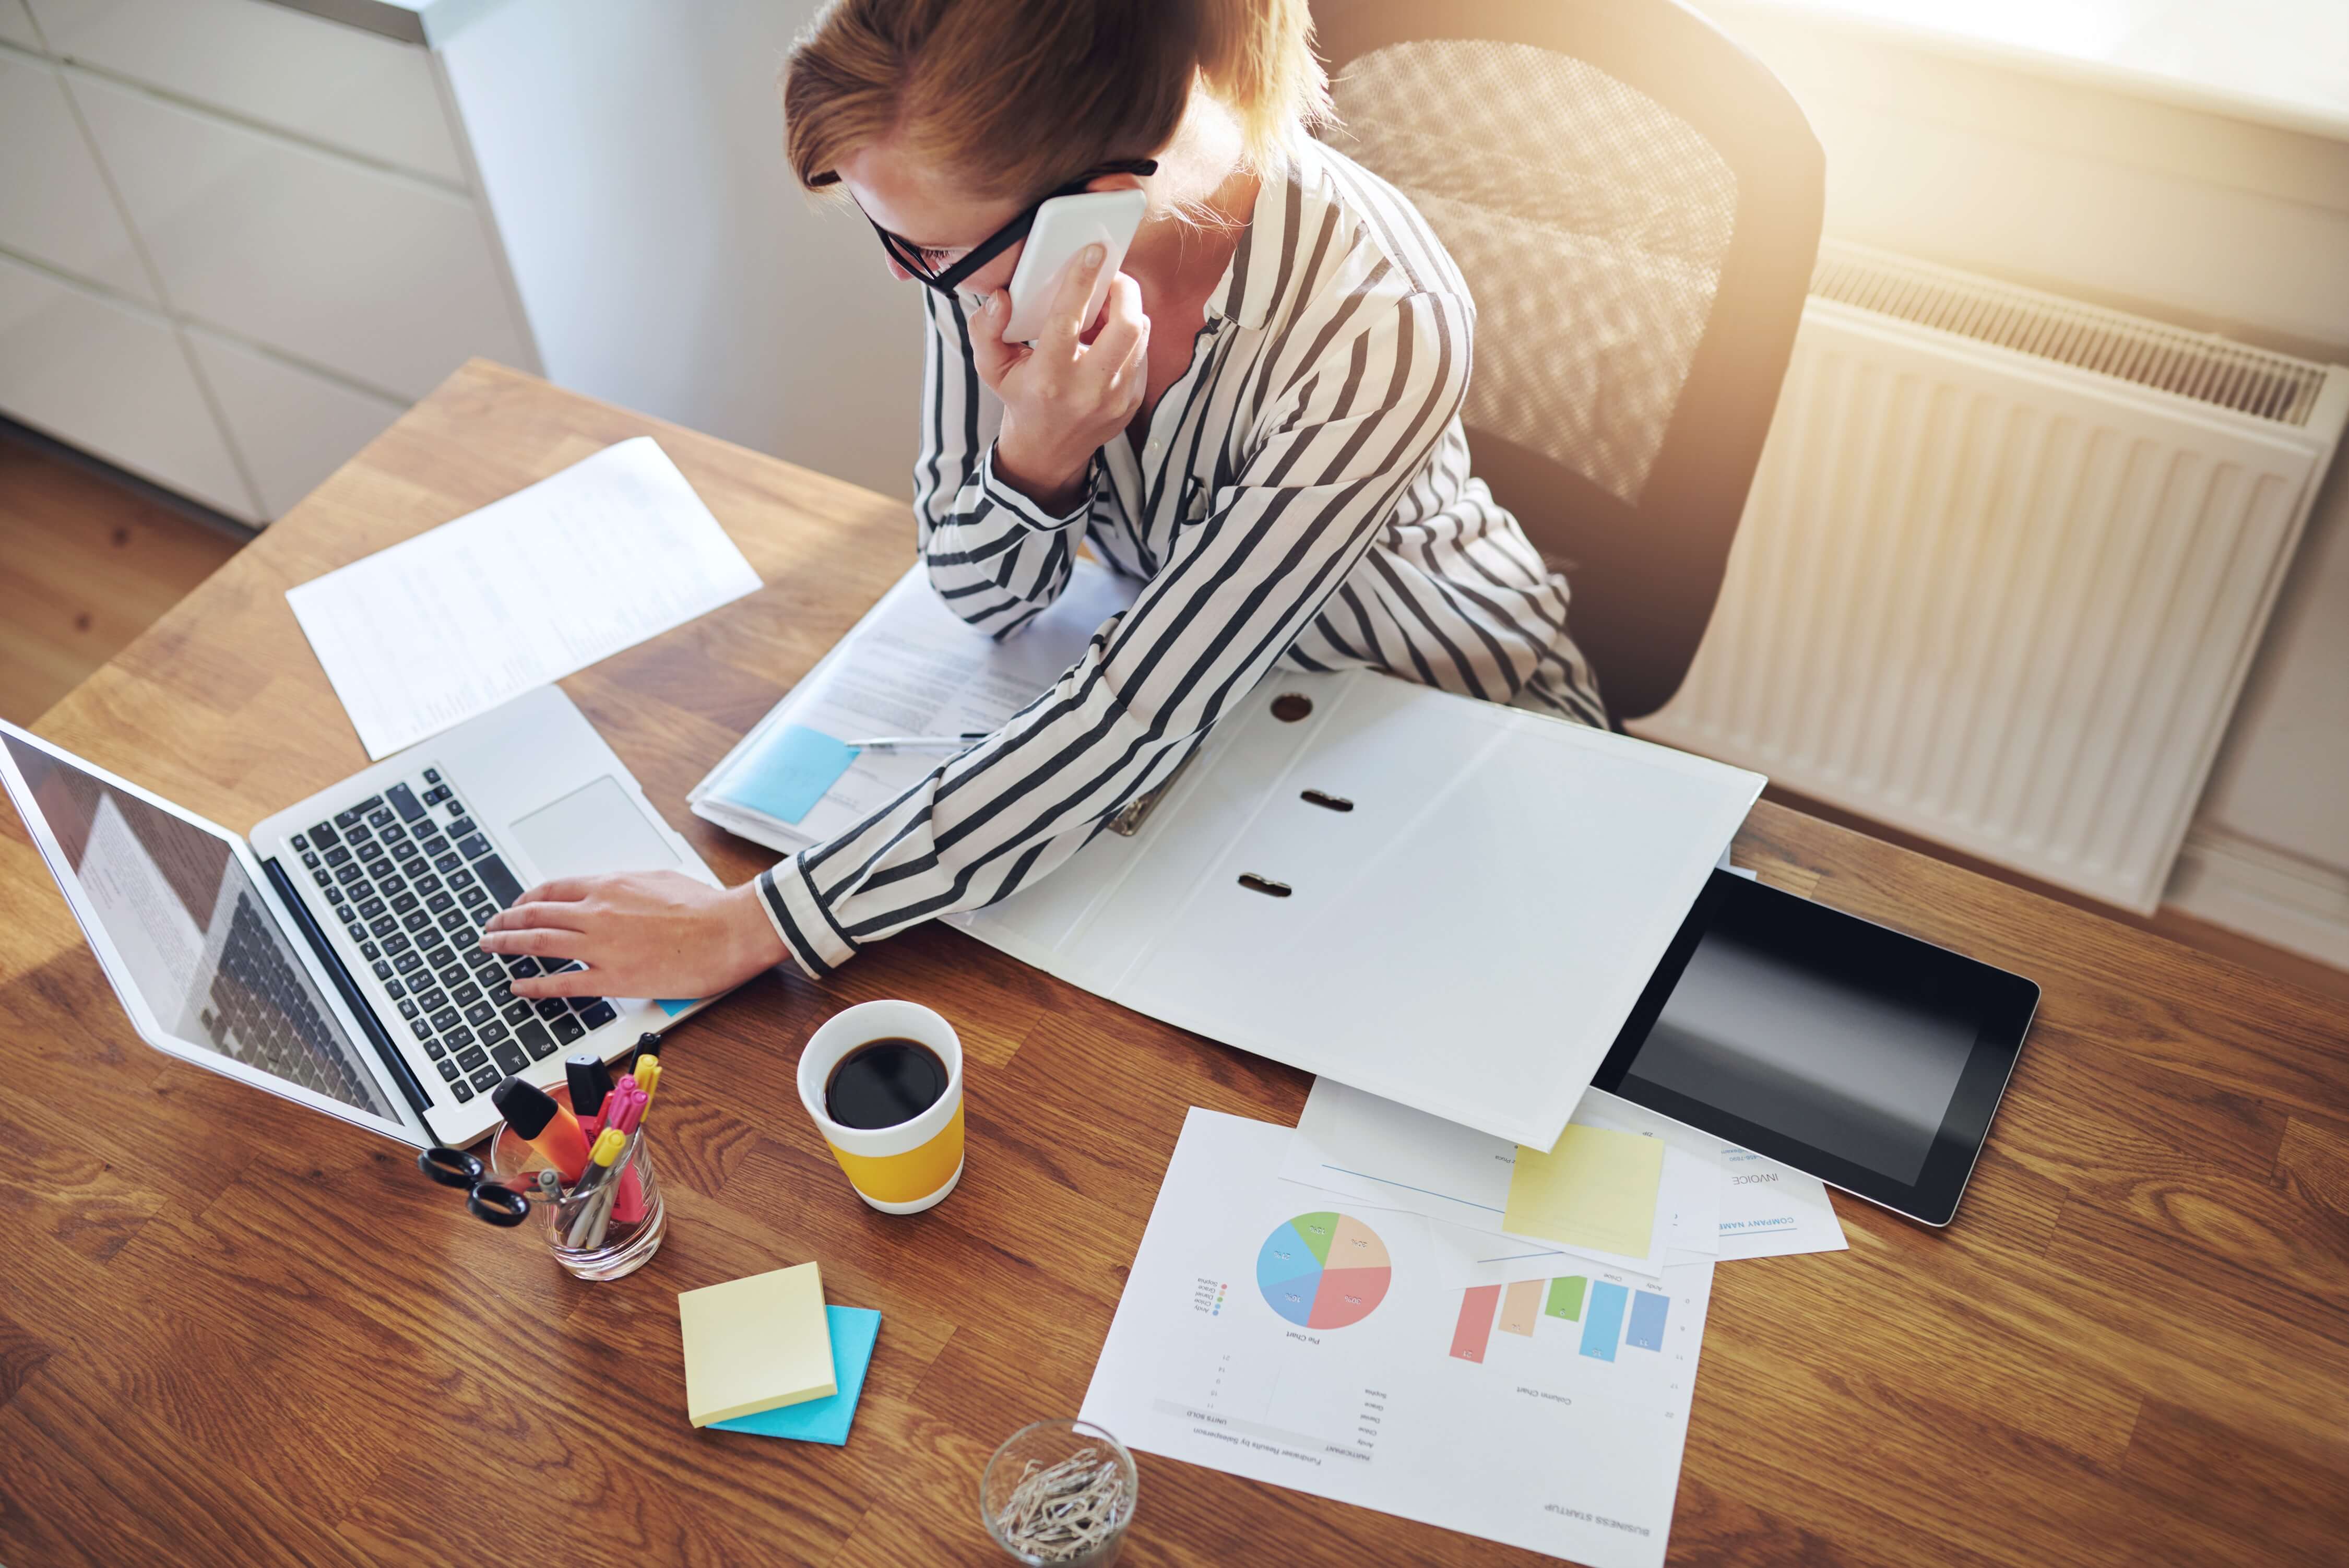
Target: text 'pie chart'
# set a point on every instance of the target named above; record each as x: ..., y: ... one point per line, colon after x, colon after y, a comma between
x: 1323, y: 1271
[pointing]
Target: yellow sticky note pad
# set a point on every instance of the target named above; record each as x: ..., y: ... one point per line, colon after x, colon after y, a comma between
x: 755, y: 1344
x: 1596, y: 1188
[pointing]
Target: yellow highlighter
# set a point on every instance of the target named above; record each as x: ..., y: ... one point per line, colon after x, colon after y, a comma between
x: 587, y: 1230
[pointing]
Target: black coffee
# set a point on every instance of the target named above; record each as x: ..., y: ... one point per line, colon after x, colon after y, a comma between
x: 883, y: 1083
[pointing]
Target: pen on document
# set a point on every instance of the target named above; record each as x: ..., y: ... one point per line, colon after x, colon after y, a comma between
x: 917, y: 742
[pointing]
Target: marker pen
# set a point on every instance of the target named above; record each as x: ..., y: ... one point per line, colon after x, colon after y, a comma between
x: 590, y: 1080
x: 595, y: 1213
x: 542, y: 1124
x: 625, y: 1110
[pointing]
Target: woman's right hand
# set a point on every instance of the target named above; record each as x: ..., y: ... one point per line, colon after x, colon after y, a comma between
x: 1063, y: 397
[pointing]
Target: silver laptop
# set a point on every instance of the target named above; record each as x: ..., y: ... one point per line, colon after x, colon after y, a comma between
x: 334, y: 958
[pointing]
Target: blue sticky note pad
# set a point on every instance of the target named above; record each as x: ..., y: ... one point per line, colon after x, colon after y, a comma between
x: 854, y: 1330
x: 674, y: 1008
x: 787, y: 773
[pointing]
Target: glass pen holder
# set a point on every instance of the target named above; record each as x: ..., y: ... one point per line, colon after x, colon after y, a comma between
x: 606, y: 1227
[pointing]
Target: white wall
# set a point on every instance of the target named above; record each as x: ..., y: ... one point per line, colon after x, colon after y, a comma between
x: 2213, y: 223
x: 632, y: 151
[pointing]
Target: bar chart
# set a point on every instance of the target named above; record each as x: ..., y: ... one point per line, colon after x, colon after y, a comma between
x: 1612, y: 1317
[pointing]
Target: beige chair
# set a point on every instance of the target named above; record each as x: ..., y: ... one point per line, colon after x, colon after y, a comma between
x: 1635, y: 202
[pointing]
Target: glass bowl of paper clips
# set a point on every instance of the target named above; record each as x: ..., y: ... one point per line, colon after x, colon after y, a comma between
x: 605, y: 1226
x: 1060, y: 1493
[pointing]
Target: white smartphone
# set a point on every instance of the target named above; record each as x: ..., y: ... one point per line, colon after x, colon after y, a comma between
x: 1064, y: 226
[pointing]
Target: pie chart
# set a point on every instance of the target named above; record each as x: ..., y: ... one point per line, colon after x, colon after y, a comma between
x: 1323, y: 1271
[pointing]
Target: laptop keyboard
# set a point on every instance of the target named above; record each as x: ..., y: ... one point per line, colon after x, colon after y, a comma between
x: 262, y: 1014
x: 413, y: 880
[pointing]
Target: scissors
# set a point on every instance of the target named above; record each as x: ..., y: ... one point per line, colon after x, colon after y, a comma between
x: 485, y: 1200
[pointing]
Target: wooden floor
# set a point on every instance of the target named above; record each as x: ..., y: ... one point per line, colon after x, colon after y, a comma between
x: 85, y: 566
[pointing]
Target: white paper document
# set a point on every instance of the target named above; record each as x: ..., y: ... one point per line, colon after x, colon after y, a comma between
x: 1356, y: 1143
x: 1315, y: 1348
x: 1770, y: 1211
x: 612, y: 551
x: 910, y: 667
x: 1444, y: 902
x: 1763, y: 1209
x: 1714, y: 1199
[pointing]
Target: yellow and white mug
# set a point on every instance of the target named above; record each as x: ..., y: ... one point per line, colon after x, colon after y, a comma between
x: 900, y: 1170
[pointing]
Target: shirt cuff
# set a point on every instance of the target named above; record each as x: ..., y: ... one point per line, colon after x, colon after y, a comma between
x: 1027, y: 511
x: 798, y: 917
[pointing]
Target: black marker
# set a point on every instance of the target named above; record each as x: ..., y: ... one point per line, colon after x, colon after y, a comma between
x: 647, y: 1045
x: 590, y: 1082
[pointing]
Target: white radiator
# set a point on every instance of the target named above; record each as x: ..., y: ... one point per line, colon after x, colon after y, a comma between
x: 2005, y: 563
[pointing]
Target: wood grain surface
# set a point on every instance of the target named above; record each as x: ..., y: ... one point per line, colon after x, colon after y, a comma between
x: 236, y: 1332
x: 86, y: 565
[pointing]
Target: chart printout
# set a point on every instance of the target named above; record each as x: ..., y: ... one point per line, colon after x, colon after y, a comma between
x: 1274, y: 1332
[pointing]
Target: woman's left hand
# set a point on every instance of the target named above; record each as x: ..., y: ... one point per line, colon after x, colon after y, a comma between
x: 640, y: 934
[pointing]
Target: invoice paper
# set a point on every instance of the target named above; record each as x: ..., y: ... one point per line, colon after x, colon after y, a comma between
x: 1357, y: 1143
x: 1768, y: 1210
x: 1744, y: 1207
x: 1314, y: 1347
x: 911, y: 666
x: 1764, y: 1209
x: 610, y: 552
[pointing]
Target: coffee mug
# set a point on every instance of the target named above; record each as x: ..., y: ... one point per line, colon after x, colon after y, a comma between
x: 900, y: 1170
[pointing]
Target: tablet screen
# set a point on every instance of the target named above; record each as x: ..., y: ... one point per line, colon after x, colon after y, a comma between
x: 1757, y: 1024
x: 1864, y: 1056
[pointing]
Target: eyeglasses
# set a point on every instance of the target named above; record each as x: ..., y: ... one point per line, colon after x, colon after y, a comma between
x: 947, y: 280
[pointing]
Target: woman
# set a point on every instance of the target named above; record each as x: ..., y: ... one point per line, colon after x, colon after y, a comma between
x: 1262, y: 426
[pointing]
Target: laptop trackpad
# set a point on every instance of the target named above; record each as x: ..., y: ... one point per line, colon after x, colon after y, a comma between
x: 594, y: 830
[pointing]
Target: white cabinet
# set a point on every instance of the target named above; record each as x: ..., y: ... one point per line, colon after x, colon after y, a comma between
x: 111, y: 378
x: 355, y: 269
x: 241, y: 236
x: 54, y: 205
x: 340, y: 86
x: 293, y: 425
x: 16, y: 26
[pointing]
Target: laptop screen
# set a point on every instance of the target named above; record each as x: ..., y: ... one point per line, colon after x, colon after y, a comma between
x: 192, y: 931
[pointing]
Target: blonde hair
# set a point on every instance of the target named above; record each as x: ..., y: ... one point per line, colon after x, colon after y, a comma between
x: 1016, y: 96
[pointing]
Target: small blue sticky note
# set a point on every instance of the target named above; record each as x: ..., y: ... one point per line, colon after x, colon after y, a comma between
x: 787, y: 773
x: 674, y: 1008
x: 854, y: 1330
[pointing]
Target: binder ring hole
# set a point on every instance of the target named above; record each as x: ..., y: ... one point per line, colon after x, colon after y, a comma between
x: 1290, y: 706
x: 1265, y: 885
x: 1328, y: 802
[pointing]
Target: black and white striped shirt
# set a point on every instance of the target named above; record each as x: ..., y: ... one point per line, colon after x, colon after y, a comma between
x: 1303, y: 495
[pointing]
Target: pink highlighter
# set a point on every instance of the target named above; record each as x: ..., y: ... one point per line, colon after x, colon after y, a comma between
x: 625, y: 1110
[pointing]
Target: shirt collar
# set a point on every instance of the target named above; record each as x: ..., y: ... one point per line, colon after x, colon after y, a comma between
x: 1261, y: 269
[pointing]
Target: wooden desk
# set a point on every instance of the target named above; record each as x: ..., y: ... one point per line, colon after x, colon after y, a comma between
x: 235, y: 1332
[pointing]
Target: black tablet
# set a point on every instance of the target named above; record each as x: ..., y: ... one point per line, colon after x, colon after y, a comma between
x: 1870, y: 1059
